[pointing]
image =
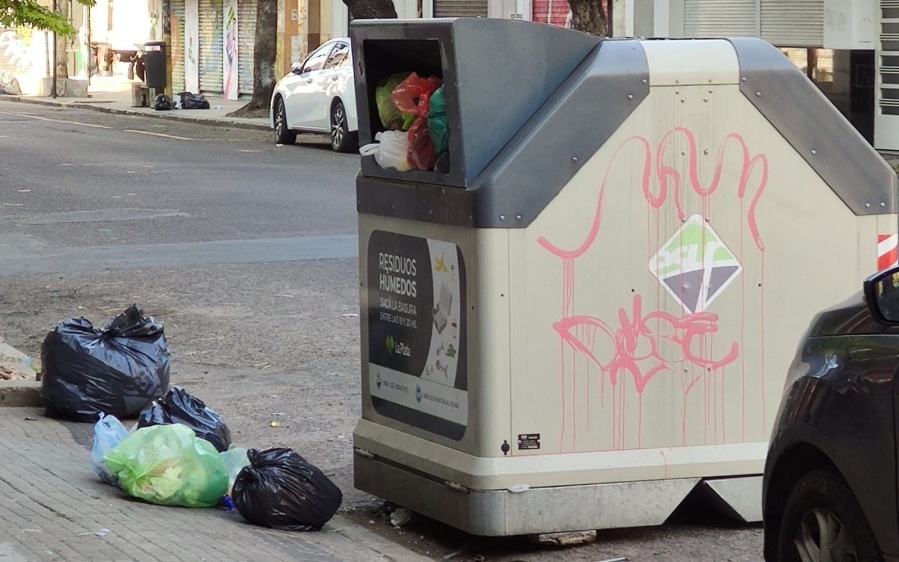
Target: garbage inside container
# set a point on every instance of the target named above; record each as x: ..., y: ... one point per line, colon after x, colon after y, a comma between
x: 116, y: 370
x: 391, y: 117
x: 282, y: 490
x: 437, y: 121
x: 108, y: 433
x: 179, y: 406
x: 169, y: 465
x: 391, y: 150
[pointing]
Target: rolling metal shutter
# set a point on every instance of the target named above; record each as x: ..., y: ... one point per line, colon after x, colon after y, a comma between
x: 793, y: 23
x: 211, y: 46
x: 176, y: 50
x: 246, y: 38
x: 886, y: 116
x: 460, y: 8
x: 720, y: 18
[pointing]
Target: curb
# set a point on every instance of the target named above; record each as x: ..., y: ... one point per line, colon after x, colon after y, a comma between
x: 218, y: 122
x: 20, y: 394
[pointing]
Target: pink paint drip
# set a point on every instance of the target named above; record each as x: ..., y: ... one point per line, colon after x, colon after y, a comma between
x: 634, y: 328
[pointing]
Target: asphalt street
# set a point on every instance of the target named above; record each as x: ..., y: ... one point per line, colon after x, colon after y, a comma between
x: 246, y: 251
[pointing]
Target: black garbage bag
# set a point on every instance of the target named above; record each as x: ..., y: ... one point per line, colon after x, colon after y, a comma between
x: 178, y: 406
x: 191, y: 101
x: 282, y: 490
x: 115, y: 371
x: 162, y: 103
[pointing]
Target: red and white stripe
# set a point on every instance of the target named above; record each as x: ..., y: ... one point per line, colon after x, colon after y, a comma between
x: 887, y: 251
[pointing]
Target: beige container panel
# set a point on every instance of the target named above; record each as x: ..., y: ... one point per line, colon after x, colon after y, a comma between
x: 485, y: 255
x: 609, y: 355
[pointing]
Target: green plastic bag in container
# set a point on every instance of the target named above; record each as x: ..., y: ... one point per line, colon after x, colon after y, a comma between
x: 437, y: 121
x: 391, y: 117
x: 169, y: 465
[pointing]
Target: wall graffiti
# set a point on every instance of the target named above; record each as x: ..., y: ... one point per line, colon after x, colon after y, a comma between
x: 641, y: 343
x: 14, y: 52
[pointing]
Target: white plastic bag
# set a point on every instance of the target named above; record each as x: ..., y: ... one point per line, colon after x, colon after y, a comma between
x: 235, y: 460
x: 390, y: 150
x: 108, y: 432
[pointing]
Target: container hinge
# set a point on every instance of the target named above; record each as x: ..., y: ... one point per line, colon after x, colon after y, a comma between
x: 457, y: 487
x: 364, y: 453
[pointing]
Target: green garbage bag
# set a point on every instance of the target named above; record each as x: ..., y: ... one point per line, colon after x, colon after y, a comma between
x: 169, y: 465
x: 437, y: 121
x: 391, y: 117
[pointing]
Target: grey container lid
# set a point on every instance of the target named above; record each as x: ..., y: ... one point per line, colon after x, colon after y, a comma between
x: 496, y: 73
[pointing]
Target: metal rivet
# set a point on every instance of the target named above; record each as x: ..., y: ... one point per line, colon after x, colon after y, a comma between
x: 710, y: 80
x: 574, y: 158
x: 677, y: 81
x: 758, y: 94
x: 630, y: 96
x: 676, y: 91
x: 683, y: 152
x: 743, y: 79
x: 814, y: 152
x: 518, y: 217
x: 682, y: 100
x: 502, y: 217
x: 705, y: 100
x: 711, y: 91
x: 868, y: 205
x: 706, y: 152
x: 882, y: 204
x: 645, y: 81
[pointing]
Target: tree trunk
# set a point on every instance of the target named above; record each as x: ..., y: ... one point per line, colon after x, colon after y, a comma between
x: 264, y: 51
x: 371, y: 9
x: 587, y: 16
x: 62, y: 42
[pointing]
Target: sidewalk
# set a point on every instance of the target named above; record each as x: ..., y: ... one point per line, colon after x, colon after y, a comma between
x: 113, y: 95
x: 54, y: 508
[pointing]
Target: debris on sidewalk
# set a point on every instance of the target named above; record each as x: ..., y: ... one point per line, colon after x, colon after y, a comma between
x: 108, y: 433
x: 15, y: 365
x: 101, y: 533
x: 400, y: 517
x: 235, y: 460
x: 282, y: 490
x: 179, y: 406
x: 117, y: 370
x: 169, y: 465
x: 187, y: 100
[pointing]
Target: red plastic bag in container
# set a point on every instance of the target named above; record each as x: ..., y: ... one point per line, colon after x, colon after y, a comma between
x: 420, y: 155
x: 410, y: 97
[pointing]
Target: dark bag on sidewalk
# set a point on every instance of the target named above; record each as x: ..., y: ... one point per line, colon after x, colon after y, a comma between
x: 178, y: 406
x: 193, y: 101
x: 115, y: 371
x: 282, y: 490
x: 162, y: 103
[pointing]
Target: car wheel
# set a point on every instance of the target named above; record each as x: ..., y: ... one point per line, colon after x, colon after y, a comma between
x: 342, y: 140
x: 823, y: 522
x: 283, y: 135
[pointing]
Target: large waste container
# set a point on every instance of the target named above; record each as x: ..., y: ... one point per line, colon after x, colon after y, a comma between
x: 154, y: 64
x: 590, y: 315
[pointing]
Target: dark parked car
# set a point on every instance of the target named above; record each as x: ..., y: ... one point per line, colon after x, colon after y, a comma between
x: 830, y: 485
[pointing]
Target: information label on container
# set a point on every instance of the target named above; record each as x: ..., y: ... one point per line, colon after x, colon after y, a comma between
x: 416, y: 332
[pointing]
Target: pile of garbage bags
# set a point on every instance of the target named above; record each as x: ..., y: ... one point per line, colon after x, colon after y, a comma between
x: 179, y: 453
x: 183, y: 100
x: 412, y: 109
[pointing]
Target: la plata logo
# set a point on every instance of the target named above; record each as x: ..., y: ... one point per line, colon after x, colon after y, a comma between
x: 397, y: 348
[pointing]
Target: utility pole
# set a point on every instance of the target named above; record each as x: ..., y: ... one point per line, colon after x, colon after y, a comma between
x: 167, y: 39
x: 55, y: 57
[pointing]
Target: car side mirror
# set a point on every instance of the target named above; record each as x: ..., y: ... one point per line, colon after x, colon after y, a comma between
x: 296, y: 68
x: 882, y: 296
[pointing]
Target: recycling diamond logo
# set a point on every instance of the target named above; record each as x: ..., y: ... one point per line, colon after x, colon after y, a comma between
x: 694, y: 265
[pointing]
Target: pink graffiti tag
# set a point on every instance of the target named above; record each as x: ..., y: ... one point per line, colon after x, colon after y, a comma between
x: 635, y: 344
